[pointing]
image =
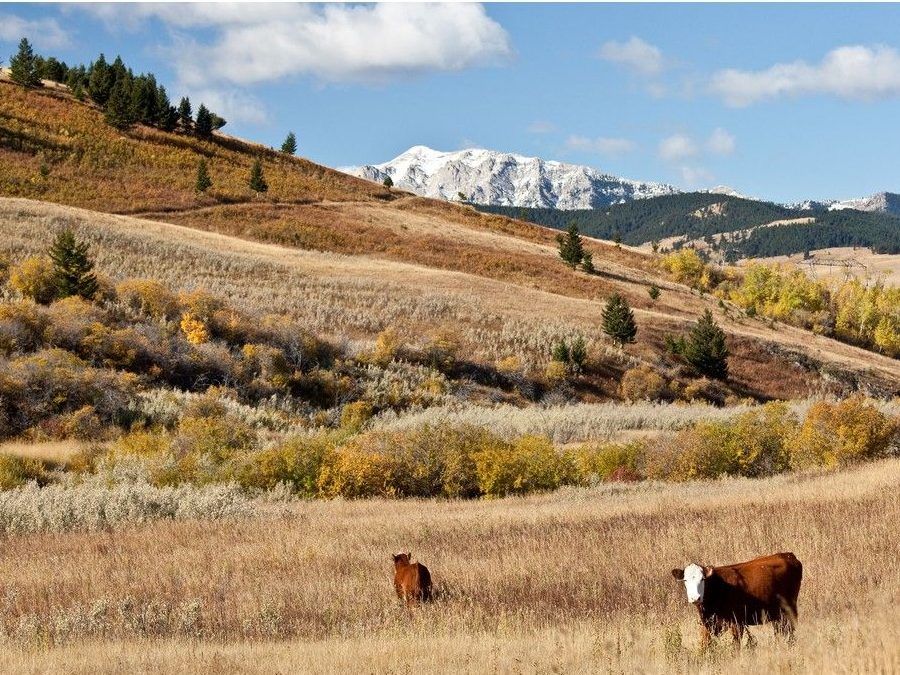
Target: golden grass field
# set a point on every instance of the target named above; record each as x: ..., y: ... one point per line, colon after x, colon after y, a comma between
x: 574, y: 581
x: 356, y: 296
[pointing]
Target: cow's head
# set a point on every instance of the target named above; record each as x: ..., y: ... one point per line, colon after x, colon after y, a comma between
x: 694, y: 578
x: 402, y: 558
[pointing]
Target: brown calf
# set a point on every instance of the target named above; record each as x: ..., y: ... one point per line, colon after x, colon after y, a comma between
x: 412, y: 580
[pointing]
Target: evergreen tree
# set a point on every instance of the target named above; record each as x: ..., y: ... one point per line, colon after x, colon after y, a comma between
x: 166, y: 115
x: 53, y: 70
x: 560, y: 352
x: 23, y: 66
x: 705, y: 349
x: 100, y: 81
x: 388, y: 182
x: 290, y: 144
x: 571, y: 250
x: 217, y: 121
x: 184, y: 113
x: 143, y: 99
x: 618, y: 320
x: 204, y: 182
x: 72, y: 268
x: 587, y: 262
x: 578, y: 354
x: 119, y: 111
x: 257, y: 180
x: 653, y: 292
x: 203, y: 127
x: 118, y: 72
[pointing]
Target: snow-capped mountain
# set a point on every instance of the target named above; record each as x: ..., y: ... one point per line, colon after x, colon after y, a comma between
x: 727, y: 191
x: 883, y: 202
x: 506, y: 179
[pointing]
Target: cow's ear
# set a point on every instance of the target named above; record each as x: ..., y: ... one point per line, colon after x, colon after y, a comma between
x: 409, y: 555
x: 707, y: 572
x: 678, y: 573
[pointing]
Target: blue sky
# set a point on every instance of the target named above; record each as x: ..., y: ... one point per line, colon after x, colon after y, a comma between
x: 783, y: 102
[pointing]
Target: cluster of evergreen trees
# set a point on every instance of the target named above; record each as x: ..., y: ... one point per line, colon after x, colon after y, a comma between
x: 124, y: 97
x: 689, y: 215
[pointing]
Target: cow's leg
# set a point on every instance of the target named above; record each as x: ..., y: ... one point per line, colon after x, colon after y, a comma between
x: 705, y: 637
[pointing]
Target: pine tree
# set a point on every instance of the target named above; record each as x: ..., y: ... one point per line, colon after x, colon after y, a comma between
x: 100, y: 81
x: 653, y: 292
x: 587, y: 262
x: 184, y: 113
x: 705, y: 348
x: 143, y: 99
x: 166, y: 115
x: 119, y: 109
x: 203, y: 127
x: 72, y: 268
x: 257, y: 180
x: 290, y: 144
x: 618, y: 320
x: 388, y: 182
x: 23, y: 66
x: 204, y: 182
x: 217, y: 121
x: 578, y: 354
x: 571, y: 250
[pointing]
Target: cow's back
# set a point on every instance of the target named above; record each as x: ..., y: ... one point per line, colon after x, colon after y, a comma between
x: 757, y: 589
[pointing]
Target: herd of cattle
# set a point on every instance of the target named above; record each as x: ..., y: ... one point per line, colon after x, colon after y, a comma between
x: 727, y: 597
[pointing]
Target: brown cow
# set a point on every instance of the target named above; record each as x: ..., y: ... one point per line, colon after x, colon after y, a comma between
x: 412, y: 580
x: 744, y: 594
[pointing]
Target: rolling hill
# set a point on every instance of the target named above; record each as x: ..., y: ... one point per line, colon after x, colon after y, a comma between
x: 352, y: 258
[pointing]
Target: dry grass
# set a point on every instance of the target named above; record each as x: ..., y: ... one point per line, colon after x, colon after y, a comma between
x: 52, y: 452
x: 576, y: 581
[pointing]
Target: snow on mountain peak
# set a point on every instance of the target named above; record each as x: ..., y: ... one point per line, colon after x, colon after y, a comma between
x: 506, y: 179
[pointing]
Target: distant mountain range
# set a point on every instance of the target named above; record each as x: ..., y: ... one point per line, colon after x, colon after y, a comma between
x: 505, y: 179
x: 491, y: 178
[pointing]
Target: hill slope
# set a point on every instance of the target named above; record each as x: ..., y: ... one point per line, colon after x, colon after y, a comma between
x: 352, y: 258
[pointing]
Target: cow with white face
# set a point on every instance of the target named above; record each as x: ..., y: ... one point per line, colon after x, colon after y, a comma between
x: 744, y: 594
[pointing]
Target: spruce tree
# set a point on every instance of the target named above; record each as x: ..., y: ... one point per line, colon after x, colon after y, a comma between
x: 217, y: 121
x: 290, y: 144
x: 119, y: 108
x: 618, y: 320
x: 184, y: 113
x: 571, y: 250
x: 705, y: 348
x: 388, y: 182
x: 72, y: 268
x: 204, y: 182
x: 23, y: 66
x: 257, y: 180
x: 100, y: 81
x: 203, y: 126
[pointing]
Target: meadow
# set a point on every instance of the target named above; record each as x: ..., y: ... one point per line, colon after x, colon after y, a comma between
x: 573, y: 581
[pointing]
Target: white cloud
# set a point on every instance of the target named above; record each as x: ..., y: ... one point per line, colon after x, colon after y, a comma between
x: 254, y: 43
x: 851, y: 72
x: 612, y: 147
x: 720, y: 142
x: 695, y: 176
x: 42, y: 33
x: 677, y: 147
x: 541, y: 127
x: 232, y: 104
x: 635, y: 54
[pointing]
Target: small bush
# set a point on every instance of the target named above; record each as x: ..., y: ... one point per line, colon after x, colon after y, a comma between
x: 609, y: 461
x: 34, y: 278
x: 355, y: 415
x: 531, y: 464
x: 642, y: 384
x: 842, y: 433
x: 149, y: 297
x: 296, y: 462
x: 16, y: 471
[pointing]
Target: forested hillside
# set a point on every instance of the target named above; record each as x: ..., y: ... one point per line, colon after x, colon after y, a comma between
x: 697, y: 215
